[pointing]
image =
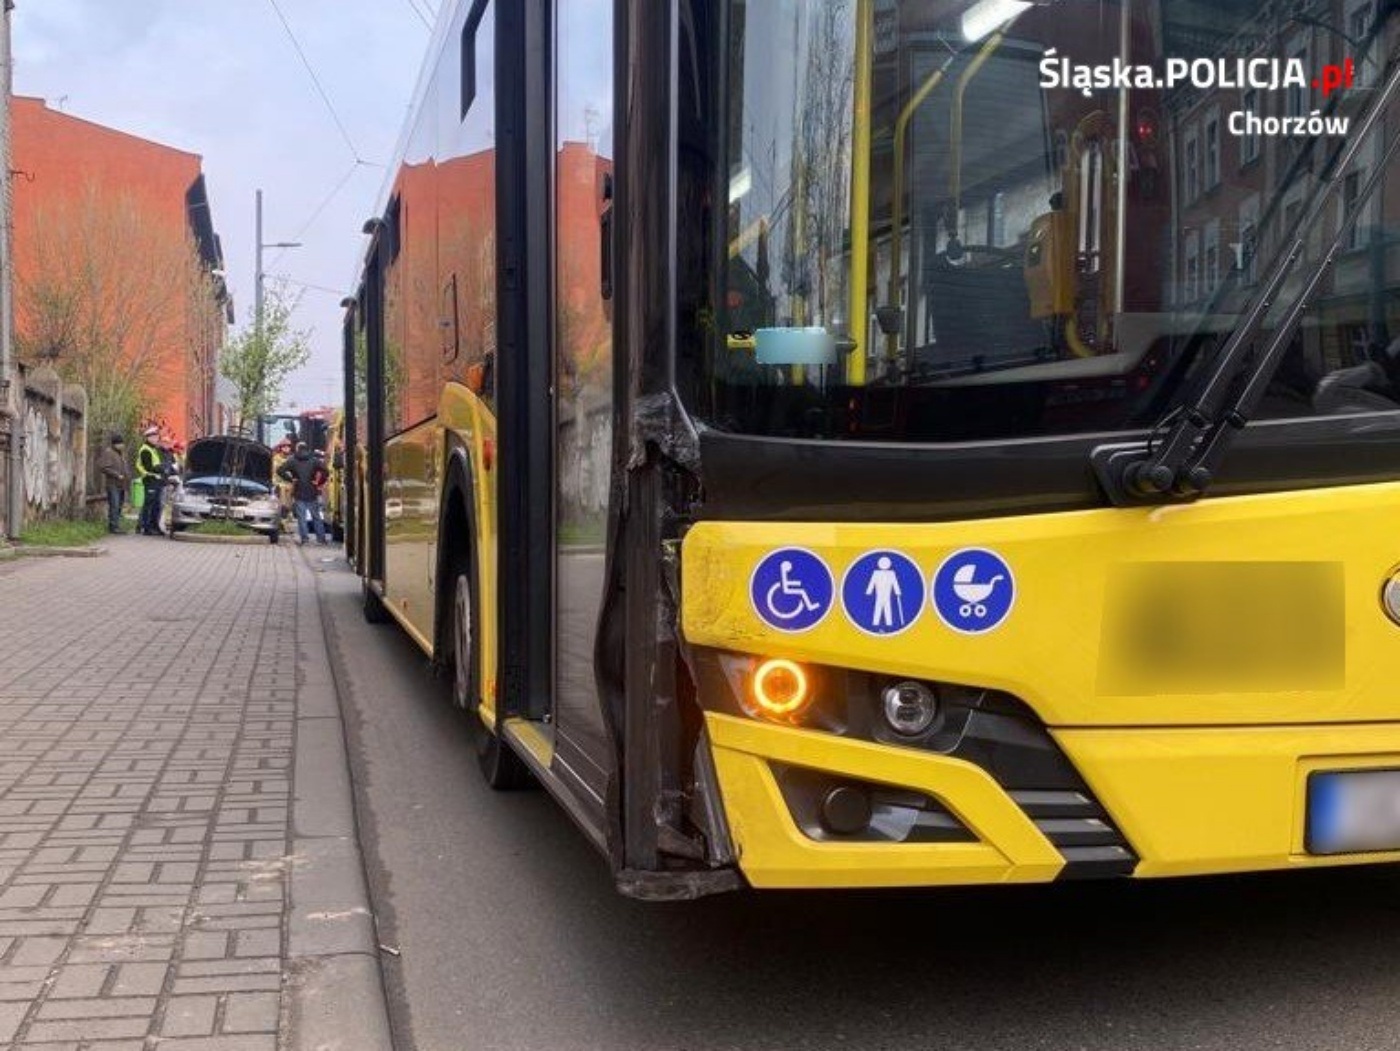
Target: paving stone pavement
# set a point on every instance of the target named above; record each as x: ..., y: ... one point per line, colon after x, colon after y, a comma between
x: 156, y: 890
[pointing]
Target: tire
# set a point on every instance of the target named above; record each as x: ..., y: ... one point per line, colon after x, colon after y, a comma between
x: 503, y: 769
x: 372, y: 605
x: 500, y: 766
x: 462, y: 639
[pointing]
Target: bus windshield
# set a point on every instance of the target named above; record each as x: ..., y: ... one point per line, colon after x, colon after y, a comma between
x: 963, y: 220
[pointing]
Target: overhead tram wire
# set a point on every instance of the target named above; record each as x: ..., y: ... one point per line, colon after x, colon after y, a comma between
x: 325, y: 203
x: 320, y: 89
x: 421, y: 16
x: 308, y: 285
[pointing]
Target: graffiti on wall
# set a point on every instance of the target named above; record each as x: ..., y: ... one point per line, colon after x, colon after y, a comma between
x: 54, y: 452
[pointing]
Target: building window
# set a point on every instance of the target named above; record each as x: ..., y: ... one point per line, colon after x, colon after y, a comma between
x: 1191, y: 285
x: 1299, y: 95
x: 469, y: 56
x: 1358, y: 25
x: 1359, y: 235
x: 1192, y: 190
x: 1358, y: 339
x: 1247, y: 248
x: 1212, y: 150
x: 1249, y: 143
x: 1211, y: 258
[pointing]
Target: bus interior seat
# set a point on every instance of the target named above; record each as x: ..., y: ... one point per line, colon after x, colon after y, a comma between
x: 988, y: 283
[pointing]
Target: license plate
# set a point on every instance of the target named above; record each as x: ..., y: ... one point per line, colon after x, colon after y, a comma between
x: 1353, y: 812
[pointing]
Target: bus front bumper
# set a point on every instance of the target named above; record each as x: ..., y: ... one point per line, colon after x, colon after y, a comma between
x: 1187, y: 801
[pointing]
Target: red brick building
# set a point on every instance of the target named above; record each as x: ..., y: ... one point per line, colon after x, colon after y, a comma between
x: 116, y: 255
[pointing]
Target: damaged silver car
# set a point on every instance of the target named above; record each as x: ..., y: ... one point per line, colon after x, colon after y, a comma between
x: 228, y: 479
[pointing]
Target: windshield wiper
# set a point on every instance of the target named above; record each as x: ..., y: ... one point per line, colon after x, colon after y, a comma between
x: 1182, y: 462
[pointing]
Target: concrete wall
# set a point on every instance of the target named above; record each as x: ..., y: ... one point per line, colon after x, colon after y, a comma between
x: 9, y: 386
x: 584, y: 449
x: 53, y: 430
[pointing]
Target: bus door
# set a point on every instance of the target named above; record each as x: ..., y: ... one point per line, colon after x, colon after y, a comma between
x: 583, y: 376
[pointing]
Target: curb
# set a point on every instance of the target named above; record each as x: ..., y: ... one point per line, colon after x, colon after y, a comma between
x: 21, y: 551
x: 196, y: 538
x: 335, y: 986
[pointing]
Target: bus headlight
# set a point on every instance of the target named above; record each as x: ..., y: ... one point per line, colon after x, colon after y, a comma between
x: 910, y: 708
x: 781, y: 688
x: 1390, y: 597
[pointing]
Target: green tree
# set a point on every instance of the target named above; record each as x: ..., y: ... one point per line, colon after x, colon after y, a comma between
x: 258, y: 360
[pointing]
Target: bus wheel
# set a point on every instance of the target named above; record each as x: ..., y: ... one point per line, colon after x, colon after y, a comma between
x: 502, y: 768
x: 373, y: 605
x: 464, y: 671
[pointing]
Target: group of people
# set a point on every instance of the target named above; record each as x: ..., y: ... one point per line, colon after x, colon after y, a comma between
x: 157, y: 466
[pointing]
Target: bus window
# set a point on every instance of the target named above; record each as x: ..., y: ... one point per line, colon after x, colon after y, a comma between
x: 583, y: 370
x: 1043, y: 257
x: 466, y: 281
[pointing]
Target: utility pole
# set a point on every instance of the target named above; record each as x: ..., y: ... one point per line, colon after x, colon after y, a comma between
x: 9, y: 372
x: 259, y: 278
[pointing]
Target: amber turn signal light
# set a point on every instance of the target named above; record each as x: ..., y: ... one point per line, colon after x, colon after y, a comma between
x: 781, y: 688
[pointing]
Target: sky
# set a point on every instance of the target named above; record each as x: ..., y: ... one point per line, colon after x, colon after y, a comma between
x: 222, y: 78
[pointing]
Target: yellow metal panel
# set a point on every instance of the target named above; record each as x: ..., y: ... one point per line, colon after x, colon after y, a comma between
x: 1047, y: 652
x: 773, y: 851
x: 412, y: 490
x: 530, y: 737
x: 410, y: 628
x: 1195, y: 801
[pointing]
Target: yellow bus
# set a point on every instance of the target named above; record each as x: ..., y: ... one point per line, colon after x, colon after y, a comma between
x: 855, y: 443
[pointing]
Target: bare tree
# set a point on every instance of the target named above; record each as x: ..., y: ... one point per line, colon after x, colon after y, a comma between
x: 108, y: 297
x: 818, y: 224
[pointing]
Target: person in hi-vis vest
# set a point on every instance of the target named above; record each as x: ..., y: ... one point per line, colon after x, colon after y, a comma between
x: 150, y: 468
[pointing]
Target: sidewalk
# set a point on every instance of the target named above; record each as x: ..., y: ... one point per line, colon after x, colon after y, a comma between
x: 178, y: 863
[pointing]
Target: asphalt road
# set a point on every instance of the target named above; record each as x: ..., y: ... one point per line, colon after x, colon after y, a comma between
x: 511, y: 935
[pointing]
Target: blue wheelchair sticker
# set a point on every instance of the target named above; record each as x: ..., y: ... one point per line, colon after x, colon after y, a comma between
x: 883, y: 592
x: 973, y: 591
x: 791, y: 590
